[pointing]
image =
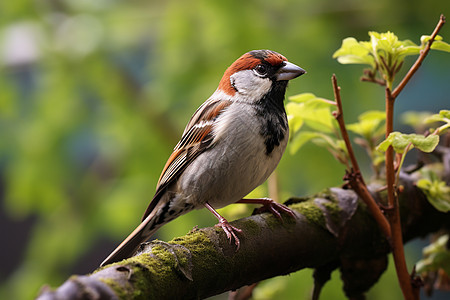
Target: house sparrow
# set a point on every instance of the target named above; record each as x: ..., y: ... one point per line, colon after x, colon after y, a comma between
x: 231, y: 145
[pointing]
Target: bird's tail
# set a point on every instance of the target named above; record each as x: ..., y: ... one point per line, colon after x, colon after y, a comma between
x: 129, y: 246
x: 158, y: 213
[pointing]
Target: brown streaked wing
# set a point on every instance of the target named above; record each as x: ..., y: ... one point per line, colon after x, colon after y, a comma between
x: 195, y: 140
x: 208, y: 111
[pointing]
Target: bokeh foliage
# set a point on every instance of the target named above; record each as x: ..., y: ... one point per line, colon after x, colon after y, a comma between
x: 94, y: 94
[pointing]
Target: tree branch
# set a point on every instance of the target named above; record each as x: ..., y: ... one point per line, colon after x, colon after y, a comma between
x: 409, y: 290
x: 355, y: 177
x: 393, y: 211
x: 331, y: 229
x: 419, y: 60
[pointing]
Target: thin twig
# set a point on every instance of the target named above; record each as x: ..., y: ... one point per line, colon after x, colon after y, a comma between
x: 394, y: 215
x: 419, y: 60
x: 389, y: 162
x: 374, y: 80
x: 339, y: 115
x: 355, y: 177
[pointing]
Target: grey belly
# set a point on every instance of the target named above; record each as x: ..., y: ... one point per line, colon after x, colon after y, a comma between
x: 225, y: 175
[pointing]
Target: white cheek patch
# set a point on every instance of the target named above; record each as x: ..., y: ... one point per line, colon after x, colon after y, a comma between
x: 249, y: 85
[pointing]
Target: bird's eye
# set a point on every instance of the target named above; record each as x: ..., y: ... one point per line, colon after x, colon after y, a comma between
x: 261, y: 70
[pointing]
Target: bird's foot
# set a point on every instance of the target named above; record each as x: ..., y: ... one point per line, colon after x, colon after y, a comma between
x: 270, y: 206
x: 230, y: 231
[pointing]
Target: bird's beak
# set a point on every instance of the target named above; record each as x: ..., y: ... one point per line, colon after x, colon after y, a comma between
x: 289, y: 71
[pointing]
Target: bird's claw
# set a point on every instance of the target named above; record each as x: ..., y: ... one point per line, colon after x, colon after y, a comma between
x: 230, y: 231
x: 275, y: 208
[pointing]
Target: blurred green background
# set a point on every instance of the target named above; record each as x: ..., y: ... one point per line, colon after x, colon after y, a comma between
x: 95, y: 94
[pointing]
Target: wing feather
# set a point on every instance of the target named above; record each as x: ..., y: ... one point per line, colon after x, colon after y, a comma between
x: 197, y: 138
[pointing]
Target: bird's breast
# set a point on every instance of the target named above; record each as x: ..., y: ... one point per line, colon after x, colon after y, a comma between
x: 238, y: 162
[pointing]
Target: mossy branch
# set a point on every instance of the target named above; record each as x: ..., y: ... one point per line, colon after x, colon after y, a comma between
x: 331, y: 229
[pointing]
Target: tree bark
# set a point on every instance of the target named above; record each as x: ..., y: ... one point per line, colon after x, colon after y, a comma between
x: 331, y: 229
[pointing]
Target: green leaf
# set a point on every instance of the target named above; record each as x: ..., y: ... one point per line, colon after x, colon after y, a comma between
x: 384, y: 52
x: 436, y: 257
x: 351, y: 46
x: 384, y: 41
x: 439, y: 245
x: 441, y: 46
x: 425, y: 38
x: 315, y: 113
x: 418, y: 120
x: 320, y: 119
x: 414, y: 118
x: 356, y: 60
x: 369, y: 124
x: 433, y: 119
x: 438, y: 43
x: 388, y: 46
x: 295, y: 118
x: 311, y: 99
x: 399, y: 141
x: 302, y: 138
x: 437, y: 192
x: 373, y: 115
x: 311, y: 110
x: 443, y: 116
x: 302, y: 97
x: 424, y: 144
x: 409, y: 50
x: 354, y: 52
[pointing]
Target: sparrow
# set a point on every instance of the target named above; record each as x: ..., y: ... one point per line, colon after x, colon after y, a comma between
x: 231, y: 145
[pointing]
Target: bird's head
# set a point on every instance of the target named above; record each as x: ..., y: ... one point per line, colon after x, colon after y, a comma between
x: 256, y: 73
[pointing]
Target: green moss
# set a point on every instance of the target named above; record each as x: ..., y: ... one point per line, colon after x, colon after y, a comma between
x: 160, y: 265
x: 139, y: 279
x: 161, y: 252
x: 311, y: 211
x: 334, y: 211
x: 316, y: 213
x: 199, y: 242
x: 119, y: 290
x: 196, y: 240
x: 272, y: 221
x: 252, y: 227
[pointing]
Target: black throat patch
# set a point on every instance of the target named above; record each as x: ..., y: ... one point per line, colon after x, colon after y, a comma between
x: 271, y: 110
